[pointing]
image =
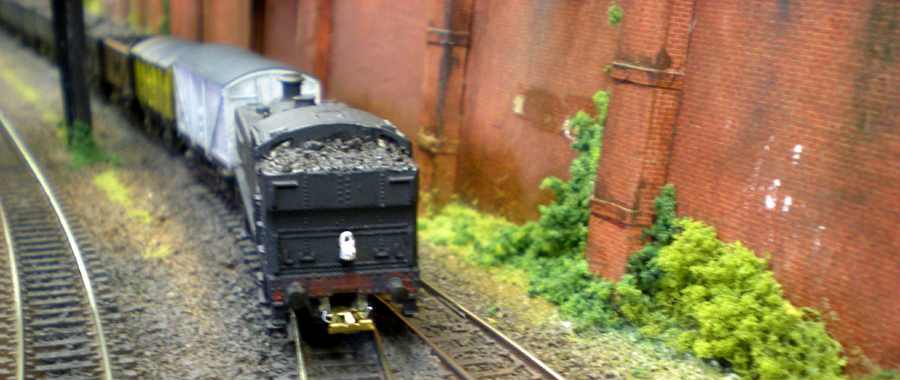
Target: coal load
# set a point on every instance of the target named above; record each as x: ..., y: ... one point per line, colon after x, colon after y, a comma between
x: 337, y: 155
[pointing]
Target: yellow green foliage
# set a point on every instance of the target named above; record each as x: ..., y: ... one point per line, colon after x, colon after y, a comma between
x: 718, y: 301
x: 160, y: 252
x: 462, y: 229
x: 109, y: 182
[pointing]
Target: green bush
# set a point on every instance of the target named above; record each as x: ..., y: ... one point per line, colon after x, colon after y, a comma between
x: 580, y: 294
x: 718, y: 301
x: 642, y: 265
x: 561, y: 230
x: 615, y: 13
x: 84, y: 148
x: 462, y: 229
x: 551, y: 249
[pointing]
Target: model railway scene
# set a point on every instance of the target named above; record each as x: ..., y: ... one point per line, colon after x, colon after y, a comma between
x: 448, y: 189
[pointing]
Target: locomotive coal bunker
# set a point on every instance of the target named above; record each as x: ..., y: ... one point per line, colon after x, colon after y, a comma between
x: 330, y: 193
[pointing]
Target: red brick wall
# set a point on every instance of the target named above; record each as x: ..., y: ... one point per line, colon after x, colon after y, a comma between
x: 185, y: 18
x: 227, y: 21
x: 799, y: 100
x: 377, y: 58
x: 281, y: 38
x: 552, y: 56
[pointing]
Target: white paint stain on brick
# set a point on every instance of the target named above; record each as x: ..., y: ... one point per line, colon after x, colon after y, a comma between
x: 770, y: 202
x: 786, y: 204
x: 818, y: 241
x: 797, y: 150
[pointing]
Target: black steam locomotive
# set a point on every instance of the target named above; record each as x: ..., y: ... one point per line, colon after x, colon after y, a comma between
x: 329, y: 191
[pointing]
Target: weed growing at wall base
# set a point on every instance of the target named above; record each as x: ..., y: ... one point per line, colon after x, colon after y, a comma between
x: 551, y: 249
x: 82, y: 145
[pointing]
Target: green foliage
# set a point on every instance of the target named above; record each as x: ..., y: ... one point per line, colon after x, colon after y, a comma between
x: 550, y: 249
x: 93, y: 8
x: 80, y: 140
x: 561, y: 230
x: 615, y: 13
x: 464, y: 230
x: 643, y: 265
x: 581, y: 296
x: 718, y: 301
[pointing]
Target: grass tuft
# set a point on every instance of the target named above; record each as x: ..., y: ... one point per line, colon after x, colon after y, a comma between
x: 108, y: 181
x: 161, y: 252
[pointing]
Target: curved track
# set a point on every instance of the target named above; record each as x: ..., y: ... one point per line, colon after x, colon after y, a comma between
x: 59, y: 332
x: 466, y: 343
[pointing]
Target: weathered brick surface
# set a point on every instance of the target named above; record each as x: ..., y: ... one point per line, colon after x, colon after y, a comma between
x: 637, y: 144
x: 377, y: 58
x: 235, y: 29
x: 222, y: 21
x: 797, y: 102
x: 549, y: 55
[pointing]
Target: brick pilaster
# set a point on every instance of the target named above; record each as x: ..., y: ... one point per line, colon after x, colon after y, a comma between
x: 649, y: 69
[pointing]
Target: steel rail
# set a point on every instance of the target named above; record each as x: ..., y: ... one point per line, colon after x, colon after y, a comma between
x: 70, y: 236
x: 445, y: 357
x: 505, y: 341
x: 382, y: 358
x: 17, y: 294
x: 502, y: 338
x: 294, y: 333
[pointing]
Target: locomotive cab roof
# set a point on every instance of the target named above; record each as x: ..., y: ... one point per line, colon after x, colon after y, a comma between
x: 305, y: 123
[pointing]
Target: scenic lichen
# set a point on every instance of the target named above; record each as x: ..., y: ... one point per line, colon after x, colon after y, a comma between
x: 719, y: 301
x: 615, y: 13
x: 643, y: 265
x: 79, y: 138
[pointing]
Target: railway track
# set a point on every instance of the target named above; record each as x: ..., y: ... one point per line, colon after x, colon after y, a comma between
x: 52, y: 318
x: 468, y: 345
x: 358, y: 356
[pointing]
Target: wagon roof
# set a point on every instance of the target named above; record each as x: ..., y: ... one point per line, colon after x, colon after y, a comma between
x: 223, y: 64
x: 161, y: 51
